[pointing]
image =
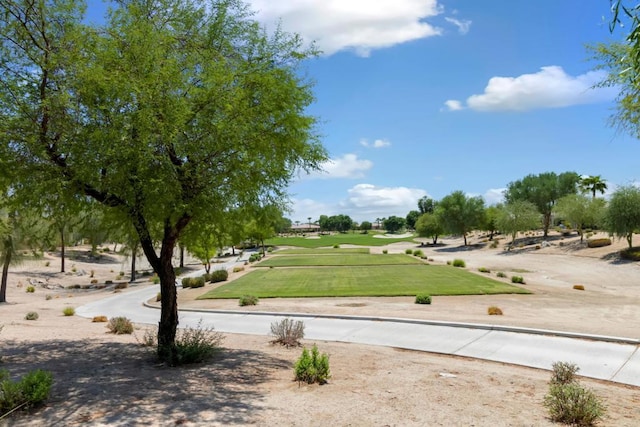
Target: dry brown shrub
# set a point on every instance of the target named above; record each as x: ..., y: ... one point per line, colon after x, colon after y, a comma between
x: 494, y: 311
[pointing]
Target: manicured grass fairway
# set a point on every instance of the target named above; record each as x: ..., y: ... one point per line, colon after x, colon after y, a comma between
x: 388, y: 280
x: 336, y: 239
x: 337, y: 260
x: 322, y: 251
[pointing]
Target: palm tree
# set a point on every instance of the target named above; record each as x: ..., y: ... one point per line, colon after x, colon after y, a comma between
x: 592, y: 184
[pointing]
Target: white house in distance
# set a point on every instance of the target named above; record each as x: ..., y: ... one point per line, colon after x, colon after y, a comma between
x: 305, y: 228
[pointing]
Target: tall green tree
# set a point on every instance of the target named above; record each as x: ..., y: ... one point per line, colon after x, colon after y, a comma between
x: 429, y: 225
x: 543, y: 190
x: 592, y: 184
x: 173, y: 112
x: 411, y: 218
x: 426, y: 205
x: 459, y: 213
x: 519, y: 215
x: 490, y: 222
x: 623, y: 214
x: 394, y: 224
x: 580, y: 210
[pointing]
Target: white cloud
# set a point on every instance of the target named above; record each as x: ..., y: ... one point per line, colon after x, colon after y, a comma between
x: 368, y: 202
x: 463, y: 25
x: 347, y: 166
x: 378, y: 143
x: 550, y: 87
x: 301, y: 209
x: 494, y: 196
x: 358, y: 25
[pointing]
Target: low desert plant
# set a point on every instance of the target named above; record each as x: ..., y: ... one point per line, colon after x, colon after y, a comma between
x: 418, y: 253
x: 99, y: 319
x: 578, y: 287
x: 238, y: 269
x: 408, y: 251
x: 494, y: 311
x: 288, y: 332
x: 448, y: 262
x: 598, y: 243
x: 384, y: 251
x: 517, y: 279
x: 94, y: 281
x: 312, y: 367
x: 159, y: 296
x: 563, y: 372
x: 121, y: 285
x: 47, y: 264
x: 68, y: 311
x: 423, y: 299
x: 218, y: 276
x: 196, y: 345
x: 573, y: 404
x: 149, y: 337
x: 48, y: 297
x: 32, y: 315
x: 155, y: 280
x: 631, y: 254
x: 494, y: 244
x: 459, y: 263
x: 248, y: 300
x: 336, y: 246
x: 120, y: 325
x: 484, y: 270
x: 30, y: 289
x: 30, y: 391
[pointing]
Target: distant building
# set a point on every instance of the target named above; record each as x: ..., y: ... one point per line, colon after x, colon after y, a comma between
x: 305, y: 228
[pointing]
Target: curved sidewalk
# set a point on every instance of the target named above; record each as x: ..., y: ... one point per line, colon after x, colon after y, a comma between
x: 606, y: 358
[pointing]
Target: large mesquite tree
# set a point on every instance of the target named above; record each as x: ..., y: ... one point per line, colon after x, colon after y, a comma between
x: 170, y: 113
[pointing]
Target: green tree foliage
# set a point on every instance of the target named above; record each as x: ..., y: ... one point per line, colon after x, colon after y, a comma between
x: 623, y: 214
x: 393, y: 224
x: 490, y: 223
x: 341, y: 223
x: 519, y: 215
x: 543, y: 190
x: 592, y: 184
x: 580, y: 210
x: 172, y: 113
x: 459, y: 213
x: 411, y: 219
x: 365, y: 226
x: 429, y: 225
x: 426, y: 205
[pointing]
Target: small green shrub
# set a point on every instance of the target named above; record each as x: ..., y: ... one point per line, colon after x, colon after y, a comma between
x: 31, y: 390
x: 219, y: 276
x: 494, y: 244
x: 155, y: 280
x: 336, y: 246
x: 255, y: 257
x: 408, y: 251
x: 197, y: 345
x: 563, y: 372
x: 448, y: 262
x: 248, y: 300
x: 418, y: 253
x: 459, y: 263
x: 47, y: 264
x: 120, y: 325
x: 121, y: 285
x: 631, y: 254
x: 484, y: 270
x: 384, y: 251
x: 573, y: 404
x: 288, y: 332
x: 159, y: 296
x: 32, y: 315
x: 30, y: 289
x: 598, y: 243
x: 501, y: 274
x: 149, y: 338
x: 423, y: 299
x: 197, y: 282
x: 48, y: 297
x: 517, y: 279
x: 68, y: 311
x: 312, y: 367
x: 238, y: 269
x: 186, y: 282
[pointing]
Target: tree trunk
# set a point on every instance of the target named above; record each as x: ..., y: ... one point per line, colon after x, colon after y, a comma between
x: 465, y: 238
x: 547, y: 223
x: 629, y: 239
x: 5, y: 270
x: 168, y: 324
x: 134, y: 251
x: 62, y: 250
x: 181, y: 256
x: 435, y: 239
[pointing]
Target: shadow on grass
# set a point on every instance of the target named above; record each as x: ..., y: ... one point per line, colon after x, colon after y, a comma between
x: 120, y: 384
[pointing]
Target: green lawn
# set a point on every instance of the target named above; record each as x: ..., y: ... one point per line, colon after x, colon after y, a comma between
x: 322, y: 251
x: 336, y: 239
x: 389, y: 280
x: 338, y: 260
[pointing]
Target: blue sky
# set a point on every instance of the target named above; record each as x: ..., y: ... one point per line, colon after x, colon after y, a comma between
x: 425, y: 97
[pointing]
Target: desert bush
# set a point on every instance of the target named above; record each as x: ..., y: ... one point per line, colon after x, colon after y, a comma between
x: 30, y: 391
x: 288, y: 332
x: 248, y: 300
x: 578, y: 287
x: 336, y: 246
x: 459, y: 263
x: 219, y: 276
x: 108, y: 282
x: 494, y: 244
x: 573, y: 404
x: 99, y: 319
x: 312, y: 367
x: 418, y: 253
x: 155, y: 280
x: 159, y: 296
x: 149, y: 337
x: 47, y: 264
x: 48, y: 297
x: 423, y: 299
x: 30, y: 289
x: 563, y: 372
x: 32, y: 315
x: 186, y: 282
x: 631, y: 254
x: 120, y: 325
x: 197, y: 345
x: 197, y: 282
x: 121, y: 285
x: 408, y: 251
x: 94, y: 281
x: 255, y: 257
x: 484, y: 270
x: 517, y: 279
x: 494, y: 311
x: 598, y: 243
x: 384, y: 251
x: 238, y: 269
x: 68, y: 311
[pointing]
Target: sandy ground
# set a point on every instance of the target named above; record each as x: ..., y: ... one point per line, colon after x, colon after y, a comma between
x: 104, y: 379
